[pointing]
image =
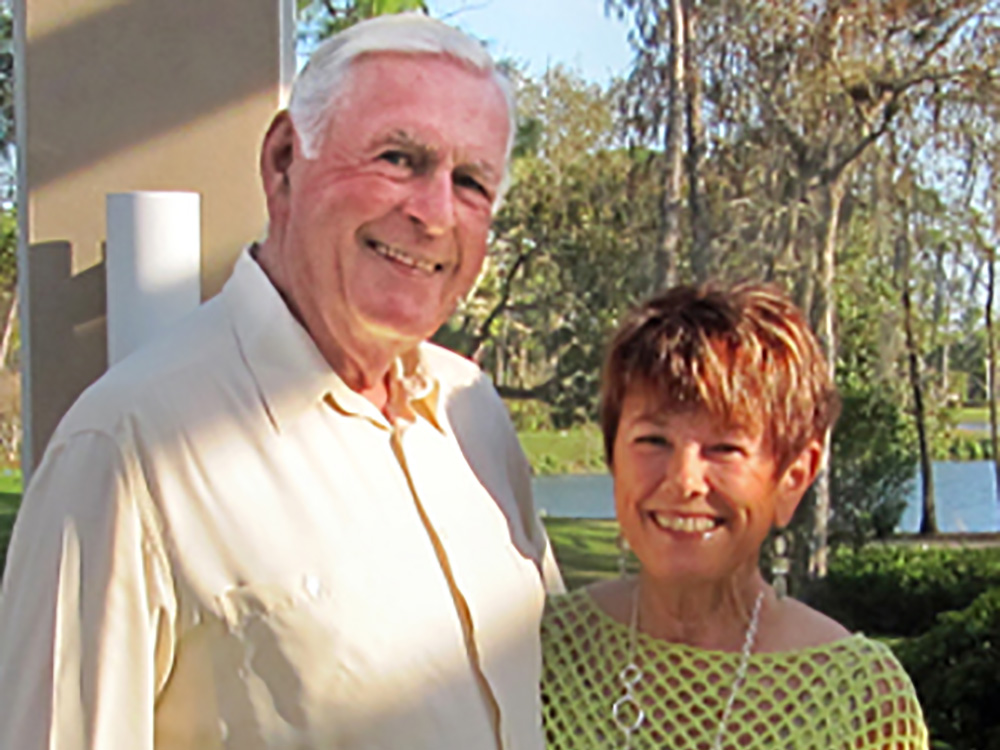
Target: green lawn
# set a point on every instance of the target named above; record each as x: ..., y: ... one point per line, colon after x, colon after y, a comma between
x: 585, y: 549
x: 972, y: 414
x: 10, y: 481
x: 578, y: 450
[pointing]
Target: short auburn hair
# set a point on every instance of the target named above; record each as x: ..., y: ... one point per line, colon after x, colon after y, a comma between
x: 743, y: 353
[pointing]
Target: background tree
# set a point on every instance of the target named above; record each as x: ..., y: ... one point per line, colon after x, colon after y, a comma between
x: 319, y: 19
x: 568, y: 253
x: 797, y: 96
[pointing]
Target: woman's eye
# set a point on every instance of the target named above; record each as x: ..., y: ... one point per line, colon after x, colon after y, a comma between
x: 727, y: 449
x: 657, y: 440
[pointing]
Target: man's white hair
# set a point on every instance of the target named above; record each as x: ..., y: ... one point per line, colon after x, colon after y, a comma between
x: 314, y: 93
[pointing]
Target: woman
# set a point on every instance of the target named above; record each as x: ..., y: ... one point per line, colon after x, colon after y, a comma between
x: 715, y: 403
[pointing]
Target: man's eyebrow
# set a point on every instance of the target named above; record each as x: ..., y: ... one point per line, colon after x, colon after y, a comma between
x: 401, y: 138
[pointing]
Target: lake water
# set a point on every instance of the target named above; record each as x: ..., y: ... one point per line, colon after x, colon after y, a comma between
x: 965, y: 493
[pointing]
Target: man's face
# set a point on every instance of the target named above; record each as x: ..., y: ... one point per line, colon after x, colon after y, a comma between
x: 385, y: 230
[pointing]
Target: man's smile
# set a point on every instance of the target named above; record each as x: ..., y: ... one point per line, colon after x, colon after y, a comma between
x: 403, y: 258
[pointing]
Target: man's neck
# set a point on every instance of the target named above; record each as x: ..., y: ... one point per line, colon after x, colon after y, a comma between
x: 364, y: 370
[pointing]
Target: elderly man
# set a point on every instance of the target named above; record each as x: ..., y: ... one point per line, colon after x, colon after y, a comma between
x: 293, y: 523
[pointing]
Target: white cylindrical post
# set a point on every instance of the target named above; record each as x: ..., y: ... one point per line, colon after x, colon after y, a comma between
x: 153, y: 265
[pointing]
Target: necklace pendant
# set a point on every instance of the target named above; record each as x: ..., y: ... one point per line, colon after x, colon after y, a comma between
x: 626, y: 711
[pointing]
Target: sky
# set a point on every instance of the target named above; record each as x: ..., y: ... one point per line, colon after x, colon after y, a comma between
x: 541, y: 33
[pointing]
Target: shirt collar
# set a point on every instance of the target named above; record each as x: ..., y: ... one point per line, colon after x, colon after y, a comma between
x: 290, y: 372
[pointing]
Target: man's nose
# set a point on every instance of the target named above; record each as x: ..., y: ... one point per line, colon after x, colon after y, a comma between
x: 687, y: 471
x: 432, y: 204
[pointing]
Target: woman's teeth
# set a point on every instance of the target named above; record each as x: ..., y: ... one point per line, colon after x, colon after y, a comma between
x: 688, y: 524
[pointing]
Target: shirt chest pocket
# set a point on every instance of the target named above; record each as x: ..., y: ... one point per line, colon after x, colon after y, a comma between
x: 335, y: 664
x: 275, y: 670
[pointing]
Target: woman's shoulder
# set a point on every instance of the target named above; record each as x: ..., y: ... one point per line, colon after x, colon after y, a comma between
x: 566, y: 610
x: 791, y: 625
x: 583, y: 611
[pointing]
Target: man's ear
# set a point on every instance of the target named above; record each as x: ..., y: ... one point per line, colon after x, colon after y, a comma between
x: 795, y: 480
x: 276, y: 157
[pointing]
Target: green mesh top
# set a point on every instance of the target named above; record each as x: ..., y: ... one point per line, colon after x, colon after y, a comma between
x: 851, y: 693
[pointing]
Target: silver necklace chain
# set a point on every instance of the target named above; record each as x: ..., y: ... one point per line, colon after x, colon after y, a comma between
x: 627, y: 711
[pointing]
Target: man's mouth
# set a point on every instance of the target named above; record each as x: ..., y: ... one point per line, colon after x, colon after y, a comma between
x: 686, y: 524
x: 404, y: 259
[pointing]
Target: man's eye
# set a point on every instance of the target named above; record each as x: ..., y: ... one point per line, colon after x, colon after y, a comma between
x: 397, y: 158
x: 471, y: 183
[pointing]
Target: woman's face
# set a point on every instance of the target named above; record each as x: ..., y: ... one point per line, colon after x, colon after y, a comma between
x: 694, y: 497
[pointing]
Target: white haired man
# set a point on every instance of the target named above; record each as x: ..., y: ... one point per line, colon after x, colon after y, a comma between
x: 293, y: 523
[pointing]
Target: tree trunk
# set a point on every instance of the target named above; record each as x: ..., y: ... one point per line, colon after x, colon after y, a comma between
x: 665, y: 271
x: 784, y: 260
x: 941, y: 311
x: 702, y: 253
x: 991, y: 396
x: 8, y: 330
x: 928, y: 520
x: 833, y: 197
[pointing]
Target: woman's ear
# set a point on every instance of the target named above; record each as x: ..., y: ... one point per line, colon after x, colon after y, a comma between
x: 795, y: 480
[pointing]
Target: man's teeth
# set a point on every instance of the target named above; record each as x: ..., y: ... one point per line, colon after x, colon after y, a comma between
x: 397, y: 255
x: 689, y: 524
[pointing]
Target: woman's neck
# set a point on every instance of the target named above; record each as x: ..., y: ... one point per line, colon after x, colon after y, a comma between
x: 712, y: 616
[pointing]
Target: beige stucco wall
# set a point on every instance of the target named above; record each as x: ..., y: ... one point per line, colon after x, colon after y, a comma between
x: 118, y: 95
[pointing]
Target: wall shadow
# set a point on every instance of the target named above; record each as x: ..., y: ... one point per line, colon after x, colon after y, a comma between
x: 153, y: 84
x: 68, y: 324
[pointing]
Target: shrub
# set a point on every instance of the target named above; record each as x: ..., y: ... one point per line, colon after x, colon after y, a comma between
x: 955, y: 667
x: 896, y: 590
x: 966, y: 446
x: 874, y: 456
x: 529, y: 415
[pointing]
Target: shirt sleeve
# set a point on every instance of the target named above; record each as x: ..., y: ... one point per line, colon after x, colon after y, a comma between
x: 519, y: 474
x: 87, y: 611
x: 533, y: 527
x: 489, y: 442
x: 888, y: 714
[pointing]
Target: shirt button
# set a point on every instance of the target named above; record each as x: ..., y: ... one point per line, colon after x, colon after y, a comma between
x: 312, y: 585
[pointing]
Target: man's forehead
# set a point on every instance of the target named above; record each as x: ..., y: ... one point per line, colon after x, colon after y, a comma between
x: 416, y: 99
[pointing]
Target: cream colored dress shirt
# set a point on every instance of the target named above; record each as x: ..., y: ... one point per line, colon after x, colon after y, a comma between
x: 226, y: 547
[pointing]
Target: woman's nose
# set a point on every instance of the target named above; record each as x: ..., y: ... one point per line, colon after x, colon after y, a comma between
x: 686, y: 471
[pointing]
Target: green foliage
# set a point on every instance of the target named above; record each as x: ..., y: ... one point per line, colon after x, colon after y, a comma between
x: 327, y: 17
x: 9, y: 502
x: 874, y: 455
x: 569, y: 253
x: 530, y: 416
x: 898, y: 590
x: 955, y: 667
x: 967, y: 446
x: 8, y: 249
x: 874, y: 448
